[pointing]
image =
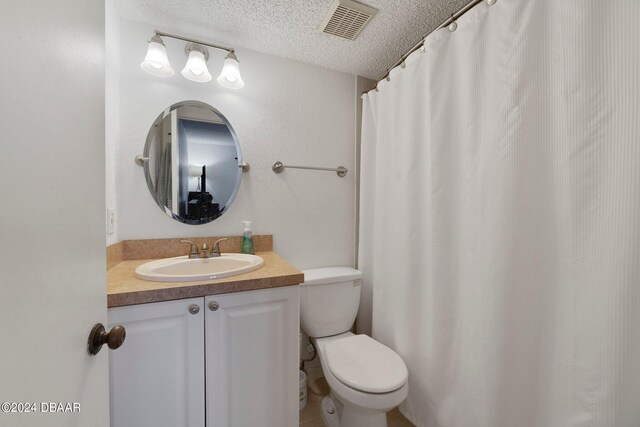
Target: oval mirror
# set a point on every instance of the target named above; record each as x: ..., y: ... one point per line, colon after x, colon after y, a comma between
x: 192, y: 162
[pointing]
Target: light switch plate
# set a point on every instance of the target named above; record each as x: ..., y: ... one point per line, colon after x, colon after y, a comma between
x: 111, y: 220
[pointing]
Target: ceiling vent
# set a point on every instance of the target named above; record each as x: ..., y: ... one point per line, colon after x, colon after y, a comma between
x: 347, y: 18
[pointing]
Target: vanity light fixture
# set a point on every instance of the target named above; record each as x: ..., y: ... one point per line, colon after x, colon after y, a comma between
x: 157, y: 63
x: 230, y: 75
x: 196, y: 67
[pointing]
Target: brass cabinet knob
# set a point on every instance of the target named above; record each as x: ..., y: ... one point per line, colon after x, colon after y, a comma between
x: 213, y: 305
x: 194, y: 308
x: 99, y: 336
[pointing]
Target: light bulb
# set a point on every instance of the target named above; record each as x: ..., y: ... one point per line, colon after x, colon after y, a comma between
x: 230, y: 75
x: 156, y: 61
x: 196, y: 67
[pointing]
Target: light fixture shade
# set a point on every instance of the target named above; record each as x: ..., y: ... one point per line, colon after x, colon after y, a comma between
x: 196, y: 68
x: 156, y: 61
x: 230, y: 75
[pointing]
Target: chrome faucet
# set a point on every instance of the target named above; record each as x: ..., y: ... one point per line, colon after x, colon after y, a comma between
x: 215, y: 252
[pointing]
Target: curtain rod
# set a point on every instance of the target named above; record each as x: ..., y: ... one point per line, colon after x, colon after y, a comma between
x: 446, y: 23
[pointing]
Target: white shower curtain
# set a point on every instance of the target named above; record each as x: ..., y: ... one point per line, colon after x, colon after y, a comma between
x: 500, y: 217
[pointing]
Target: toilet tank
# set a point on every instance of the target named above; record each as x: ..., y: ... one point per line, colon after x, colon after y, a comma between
x: 329, y: 300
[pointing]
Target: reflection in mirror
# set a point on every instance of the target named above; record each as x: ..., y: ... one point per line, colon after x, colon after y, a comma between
x: 192, y: 167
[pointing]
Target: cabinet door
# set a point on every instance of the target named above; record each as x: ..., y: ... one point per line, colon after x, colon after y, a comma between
x: 252, y: 358
x: 157, y: 376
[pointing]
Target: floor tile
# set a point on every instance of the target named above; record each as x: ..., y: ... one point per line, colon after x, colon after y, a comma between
x: 311, y: 415
x: 312, y: 410
x: 396, y: 419
x: 318, y: 422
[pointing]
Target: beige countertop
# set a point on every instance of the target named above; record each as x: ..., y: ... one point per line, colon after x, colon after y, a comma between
x: 124, y: 288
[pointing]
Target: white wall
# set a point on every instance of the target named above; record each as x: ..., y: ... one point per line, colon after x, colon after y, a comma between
x: 289, y: 111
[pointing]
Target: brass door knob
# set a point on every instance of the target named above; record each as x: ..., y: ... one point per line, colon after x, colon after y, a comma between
x: 99, y: 336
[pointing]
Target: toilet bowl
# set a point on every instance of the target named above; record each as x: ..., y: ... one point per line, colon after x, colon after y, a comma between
x: 366, y: 378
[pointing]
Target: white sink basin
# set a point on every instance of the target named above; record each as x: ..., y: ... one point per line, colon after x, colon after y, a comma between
x: 183, y: 269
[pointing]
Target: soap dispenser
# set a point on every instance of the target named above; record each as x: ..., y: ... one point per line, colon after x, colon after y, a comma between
x: 247, y: 239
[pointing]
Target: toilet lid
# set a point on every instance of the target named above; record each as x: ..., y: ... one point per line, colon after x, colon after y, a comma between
x: 364, y: 364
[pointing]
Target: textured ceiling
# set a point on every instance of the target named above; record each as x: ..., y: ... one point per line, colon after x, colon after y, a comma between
x: 289, y: 28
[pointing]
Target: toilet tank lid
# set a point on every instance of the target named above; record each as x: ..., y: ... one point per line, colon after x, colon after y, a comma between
x: 319, y: 276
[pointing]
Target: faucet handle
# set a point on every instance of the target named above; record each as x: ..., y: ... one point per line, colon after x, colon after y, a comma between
x: 215, y: 252
x: 193, y: 253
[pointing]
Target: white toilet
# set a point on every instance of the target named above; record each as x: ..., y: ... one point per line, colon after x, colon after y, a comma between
x: 366, y: 378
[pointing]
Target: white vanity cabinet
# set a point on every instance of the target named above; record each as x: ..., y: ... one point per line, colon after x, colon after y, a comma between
x: 252, y: 358
x: 157, y: 377
x: 242, y: 348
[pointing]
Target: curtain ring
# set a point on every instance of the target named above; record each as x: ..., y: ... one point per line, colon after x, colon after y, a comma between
x: 388, y: 78
x: 453, y: 25
x: 403, y: 64
x: 491, y: 2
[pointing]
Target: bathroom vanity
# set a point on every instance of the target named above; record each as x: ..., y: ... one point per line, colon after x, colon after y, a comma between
x: 215, y: 353
x: 218, y: 352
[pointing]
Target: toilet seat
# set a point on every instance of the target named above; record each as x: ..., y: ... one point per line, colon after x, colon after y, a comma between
x: 364, y: 364
x: 355, y: 398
